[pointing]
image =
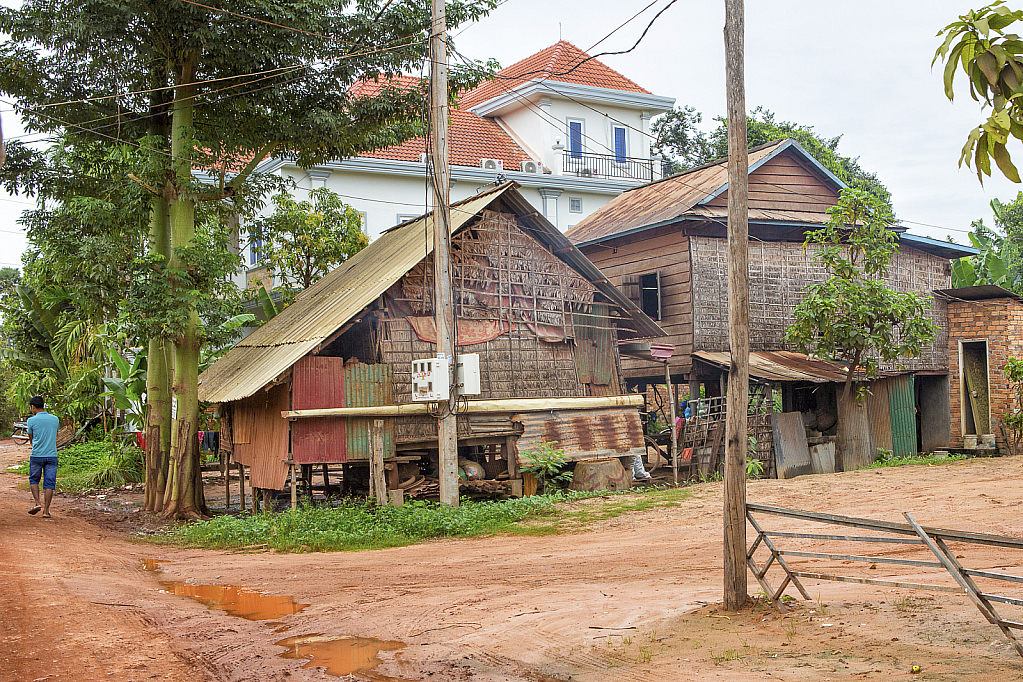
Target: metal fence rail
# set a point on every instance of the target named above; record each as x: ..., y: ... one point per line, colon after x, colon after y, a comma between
x: 934, y: 539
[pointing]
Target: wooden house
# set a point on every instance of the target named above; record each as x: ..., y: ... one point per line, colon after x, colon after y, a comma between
x: 543, y: 320
x: 665, y: 245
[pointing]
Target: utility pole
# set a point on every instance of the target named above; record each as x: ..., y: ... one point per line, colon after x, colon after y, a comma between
x: 738, y: 313
x: 443, y: 308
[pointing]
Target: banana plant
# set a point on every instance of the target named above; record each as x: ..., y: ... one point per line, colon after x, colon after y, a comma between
x: 127, y: 391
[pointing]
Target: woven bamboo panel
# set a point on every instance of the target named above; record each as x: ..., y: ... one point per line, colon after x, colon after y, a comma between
x: 779, y: 272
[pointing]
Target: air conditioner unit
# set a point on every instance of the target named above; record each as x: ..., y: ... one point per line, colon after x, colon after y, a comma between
x: 531, y: 167
x: 586, y: 173
x: 492, y: 164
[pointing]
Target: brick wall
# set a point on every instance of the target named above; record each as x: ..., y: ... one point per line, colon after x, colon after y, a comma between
x: 1000, y: 323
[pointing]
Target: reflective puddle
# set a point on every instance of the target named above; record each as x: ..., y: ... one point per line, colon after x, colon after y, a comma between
x: 152, y: 564
x: 237, y: 601
x: 340, y: 655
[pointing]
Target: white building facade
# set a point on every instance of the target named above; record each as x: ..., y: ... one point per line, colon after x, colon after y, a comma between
x: 572, y: 132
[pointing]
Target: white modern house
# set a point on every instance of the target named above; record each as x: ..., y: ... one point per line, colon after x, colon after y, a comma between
x: 570, y: 130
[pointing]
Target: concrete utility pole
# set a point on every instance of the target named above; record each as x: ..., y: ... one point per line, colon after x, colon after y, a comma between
x: 738, y: 313
x: 443, y: 310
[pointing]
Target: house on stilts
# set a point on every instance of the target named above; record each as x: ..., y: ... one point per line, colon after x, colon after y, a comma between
x: 544, y: 322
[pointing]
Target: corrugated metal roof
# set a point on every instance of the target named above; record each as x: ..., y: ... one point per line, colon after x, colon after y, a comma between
x: 331, y: 302
x: 983, y: 292
x: 782, y: 366
x: 664, y: 200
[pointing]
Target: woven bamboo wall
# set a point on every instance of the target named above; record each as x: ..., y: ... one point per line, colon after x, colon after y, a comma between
x: 779, y: 271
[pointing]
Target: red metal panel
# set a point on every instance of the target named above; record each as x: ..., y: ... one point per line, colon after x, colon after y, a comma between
x: 318, y: 382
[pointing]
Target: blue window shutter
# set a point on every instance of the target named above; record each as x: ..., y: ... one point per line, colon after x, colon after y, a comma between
x: 620, y: 151
x: 575, y: 139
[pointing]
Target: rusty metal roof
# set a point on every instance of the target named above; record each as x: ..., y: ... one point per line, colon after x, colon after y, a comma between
x: 335, y: 299
x: 668, y: 200
x: 785, y: 366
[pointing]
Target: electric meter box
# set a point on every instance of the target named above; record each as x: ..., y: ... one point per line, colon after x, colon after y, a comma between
x: 430, y: 381
x: 468, y: 373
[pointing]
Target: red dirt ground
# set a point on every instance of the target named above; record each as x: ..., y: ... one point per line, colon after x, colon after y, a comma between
x: 628, y: 599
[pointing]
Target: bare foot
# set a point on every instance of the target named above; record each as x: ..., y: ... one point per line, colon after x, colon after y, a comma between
x: 35, y: 510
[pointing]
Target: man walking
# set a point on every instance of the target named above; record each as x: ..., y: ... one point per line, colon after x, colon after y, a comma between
x: 42, y: 428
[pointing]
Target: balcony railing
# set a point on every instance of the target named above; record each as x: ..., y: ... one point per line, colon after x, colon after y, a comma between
x: 587, y: 165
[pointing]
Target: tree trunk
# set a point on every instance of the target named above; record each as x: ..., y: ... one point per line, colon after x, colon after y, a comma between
x: 183, y: 497
x: 158, y: 423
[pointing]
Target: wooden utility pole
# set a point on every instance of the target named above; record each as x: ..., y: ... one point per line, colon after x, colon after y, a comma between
x: 443, y: 311
x: 738, y: 313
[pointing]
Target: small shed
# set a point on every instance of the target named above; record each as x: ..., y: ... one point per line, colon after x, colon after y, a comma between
x: 543, y: 320
x: 985, y: 330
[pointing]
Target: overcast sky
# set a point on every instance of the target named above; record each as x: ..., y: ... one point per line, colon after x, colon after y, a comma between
x: 857, y: 69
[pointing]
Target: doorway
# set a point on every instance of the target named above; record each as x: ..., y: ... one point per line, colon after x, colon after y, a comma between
x: 973, y: 377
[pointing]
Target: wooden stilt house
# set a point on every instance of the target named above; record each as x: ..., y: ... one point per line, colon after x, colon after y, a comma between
x: 665, y: 245
x: 543, y: 320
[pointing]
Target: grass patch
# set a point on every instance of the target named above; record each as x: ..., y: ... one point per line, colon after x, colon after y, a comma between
x: 930, y: 460
x: 353, y: 526
x: 96, y: 464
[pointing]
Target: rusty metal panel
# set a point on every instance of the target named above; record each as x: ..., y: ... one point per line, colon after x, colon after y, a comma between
x: 267, y: 452
x: 368, y: 386
x: 584, y: 434
x: 318, y: 382
x: 879, y: 413
x: 902, y: 405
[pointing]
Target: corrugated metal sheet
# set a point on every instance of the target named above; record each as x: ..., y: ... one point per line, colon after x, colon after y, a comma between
x: 331, y: 302
x: 781, y: 366
x: 266, y: 453
x: 368, y: 386
x: 318, y: 382
x: 583, y: 434
x: 661, y: 201
x: 328, y: 304
x: 879, y: 413
x: 902, y: 405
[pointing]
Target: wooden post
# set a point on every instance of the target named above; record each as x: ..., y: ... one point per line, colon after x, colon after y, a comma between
x: 241, y: 487
x: 444, y: 311
x: 225, y: 466
x: 294, y: 485
x: 511, y: 456
x: 377, y: 478
x: 738, y: 313
x: 674, y: 427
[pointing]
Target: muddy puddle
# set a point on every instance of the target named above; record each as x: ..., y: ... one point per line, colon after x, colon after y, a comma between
x: 237, y: 601
x: 341, y: 655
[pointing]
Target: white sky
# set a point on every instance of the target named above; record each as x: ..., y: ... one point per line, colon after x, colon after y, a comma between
x: 857, y: 69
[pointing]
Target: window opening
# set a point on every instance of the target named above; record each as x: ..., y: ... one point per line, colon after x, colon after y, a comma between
x: 575, y: 139
x: 974, y: 382
x: 575, y: 205
x: 620, y: 144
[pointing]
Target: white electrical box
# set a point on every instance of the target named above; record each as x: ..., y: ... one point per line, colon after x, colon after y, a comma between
x: 430, y: 382
x: 468, y: 374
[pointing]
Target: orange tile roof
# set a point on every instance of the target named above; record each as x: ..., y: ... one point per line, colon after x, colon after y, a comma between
x: 470, y: 138
x: 562, y: 62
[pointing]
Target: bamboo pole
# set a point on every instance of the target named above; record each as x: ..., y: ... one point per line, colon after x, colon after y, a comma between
x: 674, y: 427
x: 492, y: 406
x: 241, y: 487
x: 735, y: 586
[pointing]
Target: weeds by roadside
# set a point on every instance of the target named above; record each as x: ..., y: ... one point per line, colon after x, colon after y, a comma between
x: 886, y: 459
x: 356, y: 525
x: 96, y: 464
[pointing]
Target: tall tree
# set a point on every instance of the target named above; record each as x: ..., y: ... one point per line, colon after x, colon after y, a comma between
x: 852, y: 316
x: 679, y: 137
x: 301, y: 241
x: 268, y: 76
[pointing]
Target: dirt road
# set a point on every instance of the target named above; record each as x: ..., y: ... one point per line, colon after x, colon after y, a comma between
x: 631, y: 598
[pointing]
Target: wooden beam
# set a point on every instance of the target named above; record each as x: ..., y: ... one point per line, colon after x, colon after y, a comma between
x: 377, y: 477
x: 492, y: 406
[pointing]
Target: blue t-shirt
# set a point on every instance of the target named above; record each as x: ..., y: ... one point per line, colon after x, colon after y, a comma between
x: 43, y: 429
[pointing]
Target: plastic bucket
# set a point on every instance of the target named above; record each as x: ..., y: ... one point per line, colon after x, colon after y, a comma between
x: 970, y: 442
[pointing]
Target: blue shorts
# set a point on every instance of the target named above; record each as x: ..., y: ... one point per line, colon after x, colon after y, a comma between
x: 46, y: 467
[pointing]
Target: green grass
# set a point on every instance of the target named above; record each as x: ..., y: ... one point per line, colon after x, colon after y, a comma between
x: 354, y: 526
x: 96, y: 464
x: 930, y: 460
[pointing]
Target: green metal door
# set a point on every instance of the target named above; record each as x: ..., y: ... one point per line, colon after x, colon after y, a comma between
x: 902, y: 405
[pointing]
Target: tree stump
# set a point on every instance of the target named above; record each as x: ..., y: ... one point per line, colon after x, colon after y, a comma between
x: 600, y: 474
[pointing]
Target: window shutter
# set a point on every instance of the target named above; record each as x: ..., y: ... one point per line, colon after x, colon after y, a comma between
x: 575, y: 138
x: 632, y: 289
x: 620, y: 150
